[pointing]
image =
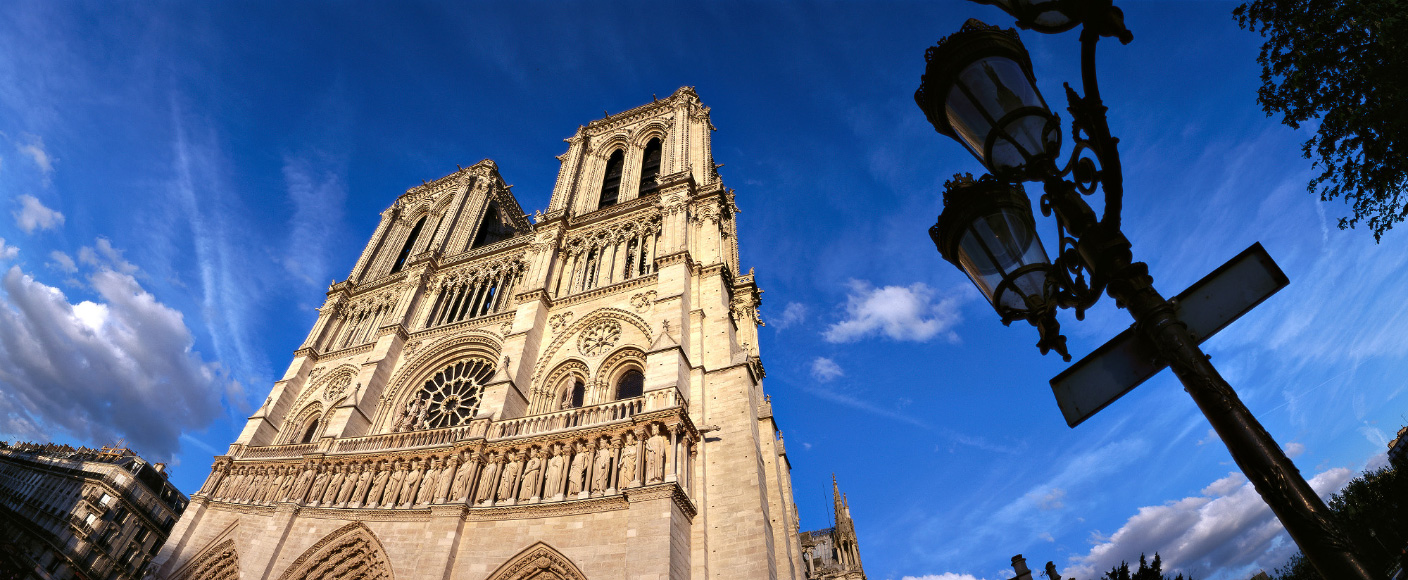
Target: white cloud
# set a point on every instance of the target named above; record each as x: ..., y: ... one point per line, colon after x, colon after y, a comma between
x: 8, y: 252
x: 119, y: 367
x: 944, y: 576
x: 1294, y: 449
x: 62, y: 262
x: 33, y: 215
x: 33, y: 147
x: 913, y: 312
x: 103, y: 255
x: 825, y: 369
x: 1227, y: 529
x: 792, y: 314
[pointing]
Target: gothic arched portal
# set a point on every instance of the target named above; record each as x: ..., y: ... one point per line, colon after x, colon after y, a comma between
x: 351, y: 552
x: 220, y: 562
x: 538, y: 562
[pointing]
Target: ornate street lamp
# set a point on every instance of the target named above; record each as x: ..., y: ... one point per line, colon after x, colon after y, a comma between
x: 1053, y: 16
x: 987, y: 231
x: 978, y: 88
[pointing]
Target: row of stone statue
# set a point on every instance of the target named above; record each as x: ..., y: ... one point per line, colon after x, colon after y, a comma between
x: 498, y: 477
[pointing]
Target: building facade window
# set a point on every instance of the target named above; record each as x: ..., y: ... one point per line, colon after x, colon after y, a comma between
x: 409, y: 245
x: 450, y: 397
x: 631, y: 384
x: 650, y: 167
x: 611, y: 185
x: 310, y: 432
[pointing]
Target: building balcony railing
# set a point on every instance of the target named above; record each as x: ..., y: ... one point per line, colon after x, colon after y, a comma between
x: 81, y: 525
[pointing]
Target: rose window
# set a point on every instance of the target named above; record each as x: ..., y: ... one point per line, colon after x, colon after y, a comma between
x: 451, y: 396
x: 600, y: 338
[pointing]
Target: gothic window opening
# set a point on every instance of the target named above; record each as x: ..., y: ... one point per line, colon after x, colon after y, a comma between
x: 410, y: 244
x: 449, y: 398
x: 481, y: 296
x: 310, y: 433
x: 592, y: 264
x: 632, y: 249
x: 650, y: 167
x: 611, y: 185
x: 631, y: 384
x: 494, y: 228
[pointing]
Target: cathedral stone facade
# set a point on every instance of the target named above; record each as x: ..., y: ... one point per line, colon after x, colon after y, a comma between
x: 492, y: 396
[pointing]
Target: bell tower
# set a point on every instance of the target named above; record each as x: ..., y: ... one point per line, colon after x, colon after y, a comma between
x: 577, y: 394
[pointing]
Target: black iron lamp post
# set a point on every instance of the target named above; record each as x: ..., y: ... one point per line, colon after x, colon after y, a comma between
x: 979, y: 89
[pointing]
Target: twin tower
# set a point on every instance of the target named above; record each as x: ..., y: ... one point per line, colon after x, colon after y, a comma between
x: 492, y: 396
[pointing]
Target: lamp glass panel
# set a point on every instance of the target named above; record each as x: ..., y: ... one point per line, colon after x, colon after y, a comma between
x: 999, y: 87
x: 1030, y: 284
x: 968, y: 121
x: 996, y: 245
x: 1030, y: 132
x: 1045, y: 14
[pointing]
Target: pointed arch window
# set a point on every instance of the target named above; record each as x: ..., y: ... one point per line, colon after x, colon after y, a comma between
x: 650, y: 167
x: 310, y: 433
x: 611, y: 185
x: 493, y: 229
x: 631, y: 384
x: 410, y: 244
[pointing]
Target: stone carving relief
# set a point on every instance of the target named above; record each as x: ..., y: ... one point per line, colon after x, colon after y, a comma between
x: 559, y: 320
x: 531, y: 472
x: 350, y: 552
x: 335, y: 387
x: 643, y: 301
x: 598, y: 339
x: 219, y: 563
x: 538, y: 562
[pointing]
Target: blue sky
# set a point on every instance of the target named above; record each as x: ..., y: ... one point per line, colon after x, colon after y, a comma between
x: 181, y: 181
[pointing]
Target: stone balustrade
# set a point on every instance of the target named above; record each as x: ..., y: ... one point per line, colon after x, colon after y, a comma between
x: 569, y: 419
x: 280, y: 451
x: 404, y: 440
x: 578, y: 454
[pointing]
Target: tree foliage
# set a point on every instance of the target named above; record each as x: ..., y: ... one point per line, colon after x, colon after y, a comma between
x: 1145, y: 571
x: 1343, y: 62
x: 1372, y: 510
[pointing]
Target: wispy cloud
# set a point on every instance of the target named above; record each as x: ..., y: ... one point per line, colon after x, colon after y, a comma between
x: 33, y: 215
x: 1227, y: 530
x: 101, y: 255
x: 32, y: 146
x: 229, y: 286
x: 913, y: 313
x: 8, y: 252
x: 317, y: 191
x: 825, y: 369
x: 62, y: 262
x: 794, y: 313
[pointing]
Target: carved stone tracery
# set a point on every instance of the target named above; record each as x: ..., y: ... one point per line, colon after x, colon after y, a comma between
x: 599, y: 338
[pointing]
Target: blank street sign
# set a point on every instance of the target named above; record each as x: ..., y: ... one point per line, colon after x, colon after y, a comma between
x: 1129, y: 358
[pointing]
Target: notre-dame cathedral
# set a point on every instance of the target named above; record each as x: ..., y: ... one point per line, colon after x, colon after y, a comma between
x: 492, y: 396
